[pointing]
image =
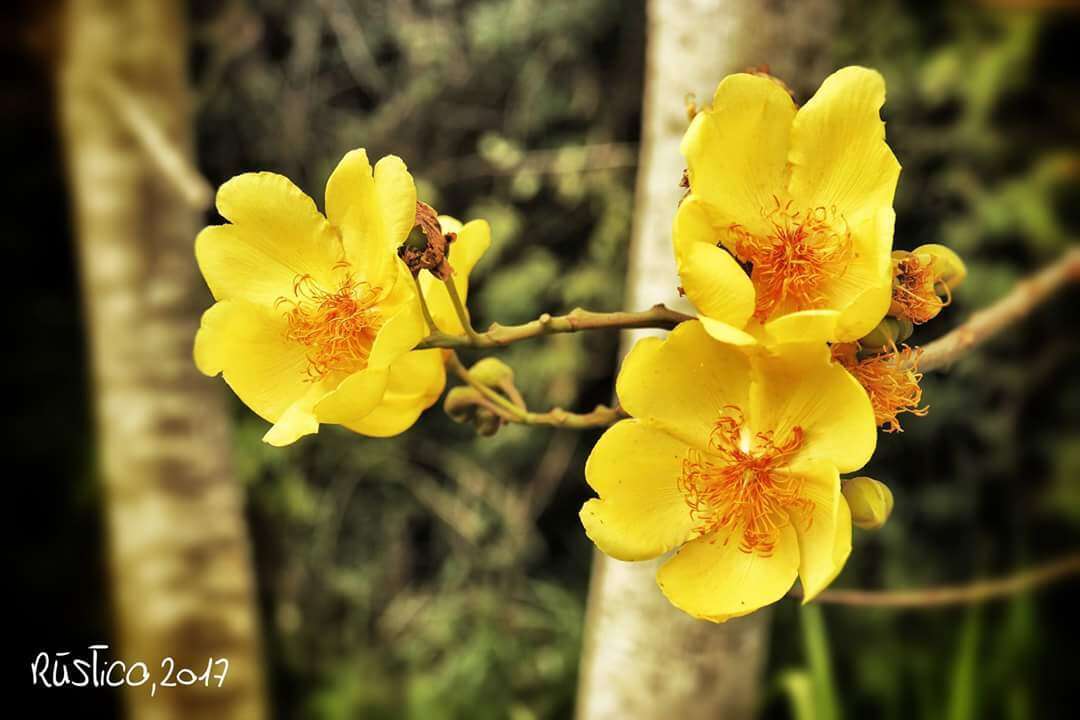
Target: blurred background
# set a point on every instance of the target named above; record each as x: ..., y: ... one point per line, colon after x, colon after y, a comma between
x: 439, y: 575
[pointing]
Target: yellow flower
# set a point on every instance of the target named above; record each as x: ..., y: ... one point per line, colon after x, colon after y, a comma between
x: 315, y: 316
x: 803, y: 196
x: 733, y: 458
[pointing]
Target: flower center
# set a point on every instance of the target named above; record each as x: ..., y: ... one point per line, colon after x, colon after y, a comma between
x: 742, y: 485
x: 792, y: 264
x: 337, y: 327
x: 915, y: 293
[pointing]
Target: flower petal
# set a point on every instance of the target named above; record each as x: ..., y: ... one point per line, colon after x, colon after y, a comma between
x: 824, y: 530
x: 397, y: 198
x: 398, y: 335
x: 798, y: 385
x: 737, y: 150
x: 682, y: 383
x: 473, y: 240
x: 714, y: 580
x: 641, y: 512
x: 804, y: 326
x: 298, y: 419
x: 863, y: 293
x: 838, y: 152
x: 728, y: 334
x: 713, y: 280
x: 246, y: 343
x: 416, y: 381
x: 354, y: 398
x: 277, y: 235
x: 374, y: 211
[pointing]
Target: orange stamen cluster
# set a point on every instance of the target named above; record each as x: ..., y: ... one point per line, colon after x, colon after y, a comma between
x: 742, y: 485
x: 791, y: 265
x: 891, y: 380
x: 916, y: 290
x: 337, y: 327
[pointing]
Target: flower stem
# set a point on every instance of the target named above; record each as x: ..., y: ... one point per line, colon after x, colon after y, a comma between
x: 658, y: 316
x: 424, y: 306
x: 460, y: 309
x: 601, y: 416
x: 971, y: 593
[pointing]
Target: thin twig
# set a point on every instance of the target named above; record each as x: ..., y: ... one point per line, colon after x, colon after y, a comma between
x: 600, y: 416
x: 659, y: 316
x: 984, y: 324
x: 975, y: 592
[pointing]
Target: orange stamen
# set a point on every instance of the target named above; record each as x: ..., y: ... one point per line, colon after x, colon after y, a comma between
x: 916, y: 293
x: 741, y: 484
x: 891, y: 380
x: 791, y: 265
x: 337, y: 327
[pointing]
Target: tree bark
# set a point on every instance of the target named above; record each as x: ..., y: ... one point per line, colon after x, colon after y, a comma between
x: 642, y: 658
x: 179, y: 553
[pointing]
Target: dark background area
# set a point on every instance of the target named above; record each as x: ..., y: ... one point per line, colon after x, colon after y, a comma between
x: 439, y: 575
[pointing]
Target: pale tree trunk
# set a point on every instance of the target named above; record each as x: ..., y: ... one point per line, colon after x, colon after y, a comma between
x: 642, y: 658
x: 179, y: 553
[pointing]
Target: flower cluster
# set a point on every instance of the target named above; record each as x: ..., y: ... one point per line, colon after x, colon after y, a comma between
x: 741, y: 421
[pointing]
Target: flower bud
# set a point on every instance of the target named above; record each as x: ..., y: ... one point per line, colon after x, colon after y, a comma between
x: 947, y: 266
x: 871, y: 502
x: 492, y: 372
x: 885, y: 335
x: 461, y: 403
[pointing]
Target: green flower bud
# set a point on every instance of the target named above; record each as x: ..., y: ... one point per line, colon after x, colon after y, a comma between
x: 461, y: 403
x: 871, y: 502
x: 492, y: 372
x: 885, y: 335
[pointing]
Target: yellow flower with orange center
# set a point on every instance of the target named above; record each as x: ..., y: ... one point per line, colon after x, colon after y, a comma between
x: 735, y: 460
x: 316, y: 316
x: 787, y: 232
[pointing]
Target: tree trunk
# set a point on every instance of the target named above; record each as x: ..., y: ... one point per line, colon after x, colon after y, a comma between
x: 642, y: 658
x: 179, y: 553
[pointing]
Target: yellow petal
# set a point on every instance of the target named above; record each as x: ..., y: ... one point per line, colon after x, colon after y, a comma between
x: 737, y: 151
x: 727, y: 333
x: 277, y: 235
x: 824, y: 529
x: 473, y: 240
x: 397, y: 198
x: 246, y: 343
x: 415, y: 383
x: 298, y: 419
x: 863, y: 293
x: 367, y: 208
x: 716, y: 581
x: 682, y: 383
x: 399, y: 334
x: 641, y: 513
x: 798, y: 386
x: 354, y: 398
x: 715, y: 283
x: 805, y: 326
x: 838, y: 153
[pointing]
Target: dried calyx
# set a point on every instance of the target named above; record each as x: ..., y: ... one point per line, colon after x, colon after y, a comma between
x: 427, y: 246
